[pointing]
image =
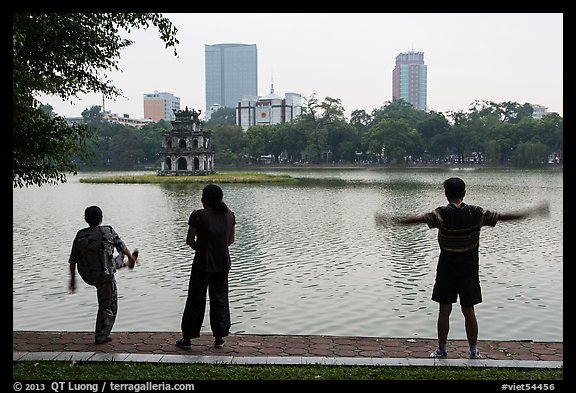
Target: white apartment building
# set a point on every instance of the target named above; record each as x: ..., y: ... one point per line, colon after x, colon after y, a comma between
x: 268, y: 110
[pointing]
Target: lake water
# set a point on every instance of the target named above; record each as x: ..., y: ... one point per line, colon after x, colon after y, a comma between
x: 308, y: 257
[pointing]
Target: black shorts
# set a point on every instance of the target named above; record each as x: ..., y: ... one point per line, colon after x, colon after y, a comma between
x: 457, y: 276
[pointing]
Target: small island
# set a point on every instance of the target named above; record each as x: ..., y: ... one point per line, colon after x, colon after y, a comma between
x: 213, y: 178
x: 187, y: 157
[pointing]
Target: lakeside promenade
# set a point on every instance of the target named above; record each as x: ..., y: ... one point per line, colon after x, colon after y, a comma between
x: 280, y: 349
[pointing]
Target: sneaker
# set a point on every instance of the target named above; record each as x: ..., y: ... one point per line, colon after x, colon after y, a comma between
x: 183, y: 343
x: 475, y: 355
x: 218, y: 343
x: 438, y: 354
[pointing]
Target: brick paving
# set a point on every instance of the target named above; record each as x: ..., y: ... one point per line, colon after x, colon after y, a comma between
x: 281, y: 346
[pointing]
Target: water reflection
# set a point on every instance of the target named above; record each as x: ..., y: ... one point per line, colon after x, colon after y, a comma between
x: 308, y: 257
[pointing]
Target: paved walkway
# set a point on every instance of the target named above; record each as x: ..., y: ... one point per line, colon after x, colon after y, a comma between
x: 279, y: 349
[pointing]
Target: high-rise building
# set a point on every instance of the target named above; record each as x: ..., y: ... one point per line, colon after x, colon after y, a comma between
x: 409, y: 79
x: 231, y: 73
x: 160, y: 106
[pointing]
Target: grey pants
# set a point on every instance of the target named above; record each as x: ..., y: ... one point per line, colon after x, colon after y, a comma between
x: 107, y: 294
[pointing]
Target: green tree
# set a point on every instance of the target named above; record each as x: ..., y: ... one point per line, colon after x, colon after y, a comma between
x: 399, y: 109
x: 47, y: 108
x: 343, y: 140
x: 316, y: 117
x: 44, y: 147
x: 152, y: 140
x: 552, y: 132
x: 126, y: 147
x: 64, y: 54
x: 359, y: 118
x: 222, y: 116
x: 492, y: 153
x: 506, y: 111
x: 293, y: 140
x: 258, y: 141
x: 458, y: 133
x: 229, y: 142
x: 394, y: 139
x: 432, y: 130
x: 530, y: 154
x: 93, y: 116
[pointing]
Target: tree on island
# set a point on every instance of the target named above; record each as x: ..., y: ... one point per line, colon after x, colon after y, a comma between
x: 64, y: 54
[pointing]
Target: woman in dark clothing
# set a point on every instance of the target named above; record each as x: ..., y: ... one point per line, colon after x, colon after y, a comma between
x: 210, y: 231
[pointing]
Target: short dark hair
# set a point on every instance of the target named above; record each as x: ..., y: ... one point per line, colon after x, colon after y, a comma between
x: 93, y: 215
x: 454, y: 188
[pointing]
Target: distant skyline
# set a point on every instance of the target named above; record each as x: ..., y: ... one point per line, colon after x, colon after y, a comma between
x: 496, y: 57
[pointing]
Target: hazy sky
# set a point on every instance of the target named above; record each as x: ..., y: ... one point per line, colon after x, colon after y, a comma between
x: 350, y: 56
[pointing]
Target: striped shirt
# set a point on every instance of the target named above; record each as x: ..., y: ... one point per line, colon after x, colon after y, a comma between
x: 459, y: 228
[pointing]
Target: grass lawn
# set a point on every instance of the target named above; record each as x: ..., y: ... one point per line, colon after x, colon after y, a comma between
x: 247, y: 177
x: 61, y: 370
